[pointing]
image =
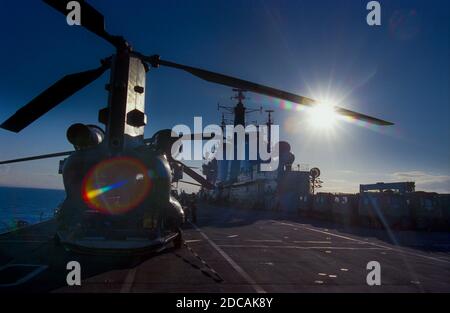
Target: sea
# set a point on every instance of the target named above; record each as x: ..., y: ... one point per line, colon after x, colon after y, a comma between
x: 27, y: 205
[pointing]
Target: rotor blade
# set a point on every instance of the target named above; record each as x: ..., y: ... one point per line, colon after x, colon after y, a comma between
x: 190, y: 183
x: 51, y: 97
x: 361, y: 117
x: 257, y: 88
x: 195, y: 176
x: 38, y: 157
x: 233, y: 82
x: 91, y: 19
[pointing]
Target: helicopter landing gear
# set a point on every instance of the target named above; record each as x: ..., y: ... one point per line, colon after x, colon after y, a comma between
x: 178, y: 241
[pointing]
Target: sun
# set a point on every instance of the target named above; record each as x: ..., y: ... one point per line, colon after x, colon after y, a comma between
x: 322, y: 116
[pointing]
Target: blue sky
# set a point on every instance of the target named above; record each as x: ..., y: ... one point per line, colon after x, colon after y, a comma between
x: 398, y: 71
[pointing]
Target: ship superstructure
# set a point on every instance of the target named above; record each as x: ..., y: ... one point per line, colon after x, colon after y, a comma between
x: 242, y: 182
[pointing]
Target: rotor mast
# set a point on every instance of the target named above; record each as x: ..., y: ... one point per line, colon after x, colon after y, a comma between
x: 125, y: 115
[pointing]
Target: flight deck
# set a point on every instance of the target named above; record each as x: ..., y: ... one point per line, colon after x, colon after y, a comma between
x: 231, y: 250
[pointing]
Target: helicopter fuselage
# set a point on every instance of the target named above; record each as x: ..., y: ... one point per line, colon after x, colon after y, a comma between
x: 115, y: 198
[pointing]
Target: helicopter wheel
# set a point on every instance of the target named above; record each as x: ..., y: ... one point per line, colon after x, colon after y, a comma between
x: 178, y: 241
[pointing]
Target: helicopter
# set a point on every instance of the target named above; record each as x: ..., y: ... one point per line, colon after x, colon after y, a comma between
x: 118, y: 184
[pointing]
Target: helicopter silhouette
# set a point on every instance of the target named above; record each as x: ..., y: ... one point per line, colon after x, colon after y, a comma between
x: 119, y: 184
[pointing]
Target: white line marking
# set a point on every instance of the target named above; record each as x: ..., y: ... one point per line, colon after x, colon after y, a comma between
x: 310, y: 241
x: 27, y: 277
x: 236, y: 267
x: 366, y: 242
x: 193, y: 240
x: 23, y: 241
x: 129, y: 281
x: 262, y: 240
x: 300, y: 247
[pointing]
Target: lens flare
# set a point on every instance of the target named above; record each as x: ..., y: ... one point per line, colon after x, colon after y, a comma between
x: 322, y: 116
x: 116, y: 185
x: 96, y: 192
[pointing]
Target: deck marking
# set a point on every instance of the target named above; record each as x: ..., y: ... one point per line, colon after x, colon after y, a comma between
x: 366, y: 242
x: 301, y: 247
x: 129, y: 281
x: 23, y: 241
x: 39, y: 269
x: 310, y: 241
x: 193, y: 240
x: 263, y: 240
x: 233, y: 264
x: 206, y: 267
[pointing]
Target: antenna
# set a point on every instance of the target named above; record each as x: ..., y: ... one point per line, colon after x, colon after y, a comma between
x: 269, y: 118
x: 240, y: 94
x: 223, y: 122
x: 269, y: 129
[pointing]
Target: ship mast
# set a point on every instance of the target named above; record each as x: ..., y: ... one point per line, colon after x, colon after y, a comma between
x: 269, y: 129
x: 239, y: 111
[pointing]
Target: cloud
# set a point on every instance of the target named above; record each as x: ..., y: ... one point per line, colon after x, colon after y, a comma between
x: 425, y: 181
x: 5, y: 169
x: 348, y: 181
x: 339, y: 186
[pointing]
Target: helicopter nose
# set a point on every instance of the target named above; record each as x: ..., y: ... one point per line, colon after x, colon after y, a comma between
x: 117, y: 185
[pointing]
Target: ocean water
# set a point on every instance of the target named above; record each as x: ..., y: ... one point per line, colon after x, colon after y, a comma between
x: 27, y: 204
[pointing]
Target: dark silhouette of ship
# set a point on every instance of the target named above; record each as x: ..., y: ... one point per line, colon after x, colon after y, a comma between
x: 291, y: 188
x: 243, y: 183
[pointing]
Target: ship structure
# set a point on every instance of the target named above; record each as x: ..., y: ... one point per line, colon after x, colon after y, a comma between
x: 292, y: 188
x: 243, y: 183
